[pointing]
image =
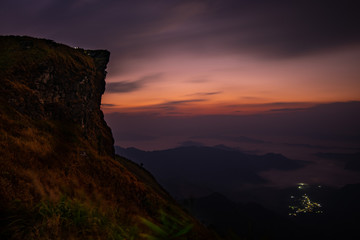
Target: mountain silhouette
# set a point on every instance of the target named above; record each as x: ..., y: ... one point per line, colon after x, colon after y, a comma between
x: 194, y: 170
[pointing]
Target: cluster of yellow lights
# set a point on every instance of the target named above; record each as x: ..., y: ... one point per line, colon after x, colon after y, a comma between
x: 305, y: 206
x: 302, y: 185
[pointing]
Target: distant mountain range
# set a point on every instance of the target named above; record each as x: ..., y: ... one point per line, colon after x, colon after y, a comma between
x: 199, y: 170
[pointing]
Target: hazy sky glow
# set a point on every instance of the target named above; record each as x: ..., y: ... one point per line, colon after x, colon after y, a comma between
x: 186, y: 84
x: 206, y: 57
x: 257, y: 75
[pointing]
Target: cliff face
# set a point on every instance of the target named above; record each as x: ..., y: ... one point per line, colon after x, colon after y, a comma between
x: 49, y: 81
x: 59, y: 177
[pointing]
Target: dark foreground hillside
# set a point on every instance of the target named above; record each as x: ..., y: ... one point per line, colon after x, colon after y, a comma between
x: 59, y: 178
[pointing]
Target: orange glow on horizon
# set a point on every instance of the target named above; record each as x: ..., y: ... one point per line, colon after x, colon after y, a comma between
x: 193, y: 85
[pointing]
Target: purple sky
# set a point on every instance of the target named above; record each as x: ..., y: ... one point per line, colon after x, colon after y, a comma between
x: 184, y: 59
x: 258, y: 75
x: 206, y: 57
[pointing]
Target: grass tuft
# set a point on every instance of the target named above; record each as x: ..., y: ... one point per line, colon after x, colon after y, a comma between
x: 64, y: 219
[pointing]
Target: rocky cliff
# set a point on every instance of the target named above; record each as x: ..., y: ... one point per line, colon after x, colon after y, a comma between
x: 56, y: 82
x: 59, y: 177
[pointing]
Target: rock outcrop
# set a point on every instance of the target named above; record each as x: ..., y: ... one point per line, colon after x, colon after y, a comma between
x: 59, y: 177
x: 56, y: 82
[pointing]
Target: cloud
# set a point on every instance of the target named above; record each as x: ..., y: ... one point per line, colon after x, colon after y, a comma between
x: 281, y: 28
x: 199, y: 80
x: 287, y: 109
x: 131, y: 86
x: 253, y: 98
x: 205, y: 93
x: 133, y: 29
x: 172, y: 106
x: 168, y: 107
x: 326, y: 123
x: 123, y: 87
x: 177, y: 102
x: 239, y: 139
x: 108, y: 105
x: 286, y: 105
x: 275, y: 29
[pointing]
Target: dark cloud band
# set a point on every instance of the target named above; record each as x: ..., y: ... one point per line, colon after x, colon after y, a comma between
x: 142, y: 29
x: 131, y: 86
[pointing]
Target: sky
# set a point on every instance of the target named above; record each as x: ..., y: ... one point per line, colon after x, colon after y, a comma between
x: 256, y: 75
x: 206, y: 57
x: 174, y: 62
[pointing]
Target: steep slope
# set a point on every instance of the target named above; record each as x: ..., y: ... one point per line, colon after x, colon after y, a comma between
x: 59, y: 177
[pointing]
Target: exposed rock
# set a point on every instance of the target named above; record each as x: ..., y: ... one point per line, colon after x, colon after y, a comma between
x: 58, y: 87
x: 57, y: 151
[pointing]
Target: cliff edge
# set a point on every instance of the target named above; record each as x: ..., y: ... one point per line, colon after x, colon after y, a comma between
x: 43, y: 80
x: 59, y: 176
